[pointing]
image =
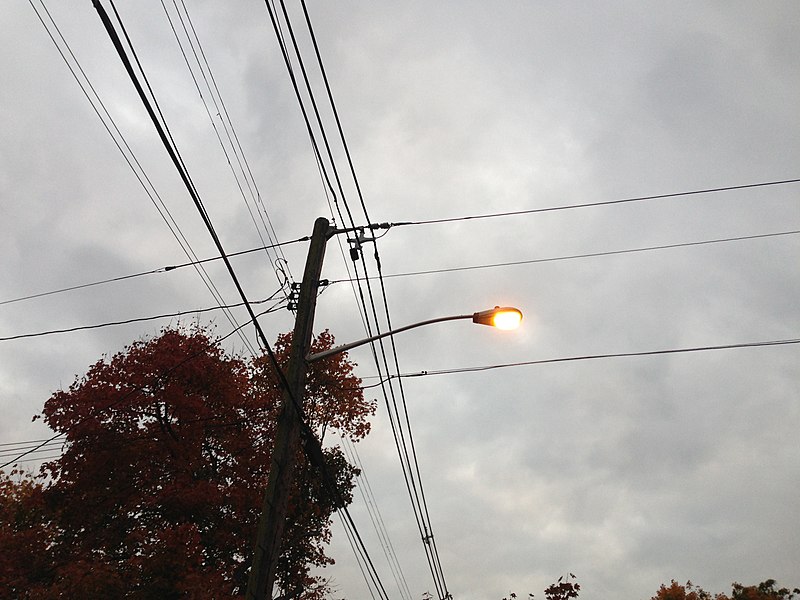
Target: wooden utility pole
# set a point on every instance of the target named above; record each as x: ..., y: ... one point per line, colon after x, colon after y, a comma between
x: 283, y: 463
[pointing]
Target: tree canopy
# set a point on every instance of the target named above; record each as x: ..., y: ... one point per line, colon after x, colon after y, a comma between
x: 566, y: 588
x: 158, y: 491
x: 766, y: 590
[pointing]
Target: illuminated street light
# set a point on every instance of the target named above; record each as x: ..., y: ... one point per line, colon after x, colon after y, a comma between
x: 504, y: 317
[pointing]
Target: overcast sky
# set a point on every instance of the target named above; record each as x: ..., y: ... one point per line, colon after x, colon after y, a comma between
x: 625, y: 471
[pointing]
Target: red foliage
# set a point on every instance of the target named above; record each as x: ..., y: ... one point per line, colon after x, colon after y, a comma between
x: 159, y: 489
x: 563, y: 589
x: 765, y: 590
x: 675, y: 591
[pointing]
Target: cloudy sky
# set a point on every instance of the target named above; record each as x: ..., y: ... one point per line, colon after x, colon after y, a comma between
x: 626, y: 471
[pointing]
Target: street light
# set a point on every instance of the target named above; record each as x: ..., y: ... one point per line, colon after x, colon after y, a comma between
x: 269, y: 537
x: 501, y: 317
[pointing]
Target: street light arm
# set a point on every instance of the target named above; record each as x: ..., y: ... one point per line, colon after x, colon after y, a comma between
x: 337, y: 349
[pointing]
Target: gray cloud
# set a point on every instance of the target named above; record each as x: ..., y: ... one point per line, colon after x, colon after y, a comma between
x: 628, y: 472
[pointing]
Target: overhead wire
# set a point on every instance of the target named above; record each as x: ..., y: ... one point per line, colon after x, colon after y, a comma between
x: 581, y: 256
x: 137, y: 320
x: 373, y: 575
x: 376, y: 518
x: 32, y: 446
x: 219, y: 109
x: 129, y: 394
x: 149, y: 272
x: 585, y: 357
x: 603, y: 356
x: 122, y: 145
x: 260, y: 199
x: 403, y: 440
x: 171, y: 148
x: 531, y: 211
x: 151, y: 105
x: 310, y: 443
x: 169, y: 145
x: 404, y: 274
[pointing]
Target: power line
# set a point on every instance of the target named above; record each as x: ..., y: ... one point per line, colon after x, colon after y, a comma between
x: 601, y: 203
x: 377, y: 519
x: 125, y: 396
x: 579, y: 256
x: 137, y: 320
x: 404, y: 274
x: 546, y: 361
x: 221, y: 111
x: 373, y: 575
x: 165, y: 269
x: 409, y: 462
x: 127, y: 153
x: 174, y: 155
x: 36, y: 445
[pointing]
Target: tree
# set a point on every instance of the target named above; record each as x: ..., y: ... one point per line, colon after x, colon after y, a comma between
x: 676, y: 591
x: 158, y: 491
x: 765, y: 590
x: 563, y: 589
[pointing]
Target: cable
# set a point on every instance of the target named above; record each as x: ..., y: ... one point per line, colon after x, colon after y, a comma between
x: 272, y: 14
x: 132, y: 161
x: 405, y: 274
x: 602, y: 203
x: 36, y: 445
x: 412, y: 476
x: 578, y: 256
x: 227, y: 126
x: 377, y: 519
x: 137, y: 320
x: 191, y: 263
x: 546, y: 361
x: 121, y: 399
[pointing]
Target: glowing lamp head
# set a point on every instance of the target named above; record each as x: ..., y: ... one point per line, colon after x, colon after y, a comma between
x: 504, y: 317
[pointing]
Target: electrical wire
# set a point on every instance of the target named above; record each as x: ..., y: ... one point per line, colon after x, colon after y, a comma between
x: 546, y: 361
x: 324, y: 171
x: 165, y: 269
x: 32, y: 446
x: 128, y: 155
x: 308, y: 440
x: 408, y: 273
x: 601, y: 203
x: 174, y: 155
x: 229, y: 131
x: 376, y: 518
x: 403, y: 439
x: 580, y: 256
x: 129, y: 394
x: 136, y: 320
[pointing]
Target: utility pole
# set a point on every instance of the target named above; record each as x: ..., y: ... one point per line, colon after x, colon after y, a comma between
x: 283, y: 463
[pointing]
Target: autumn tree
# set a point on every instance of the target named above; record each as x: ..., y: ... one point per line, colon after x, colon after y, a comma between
x: 765, y: 590
x: 564, y: 589
x: 158, y: 491
x: 676, y: 591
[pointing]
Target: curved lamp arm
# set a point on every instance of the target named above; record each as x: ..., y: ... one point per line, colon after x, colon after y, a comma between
x: 485, y: 317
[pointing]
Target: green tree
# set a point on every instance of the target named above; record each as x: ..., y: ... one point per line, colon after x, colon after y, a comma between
x: 158, y: 491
